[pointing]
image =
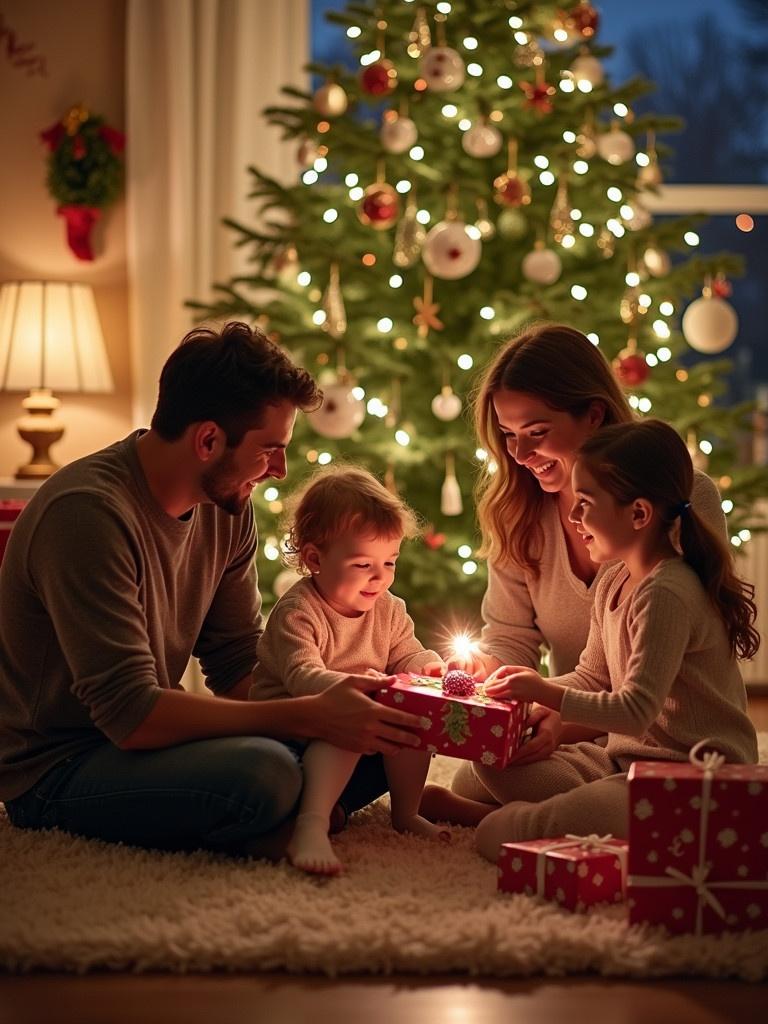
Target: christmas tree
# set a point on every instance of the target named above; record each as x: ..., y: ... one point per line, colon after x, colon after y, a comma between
x: 477, y: 173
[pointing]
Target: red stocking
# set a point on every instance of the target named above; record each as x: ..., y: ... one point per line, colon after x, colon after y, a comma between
x: 80, y: 221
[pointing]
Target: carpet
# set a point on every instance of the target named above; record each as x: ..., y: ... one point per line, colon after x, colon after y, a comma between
x: 405, y: 905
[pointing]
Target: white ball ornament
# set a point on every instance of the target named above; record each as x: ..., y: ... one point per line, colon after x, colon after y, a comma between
x: 640, y: 219
x: 442, y: 69
x: 284, y: 581
x: 587, y: 68
x: 447, y: 405
x: 398, y: 135
x: 307, y: 153
x: 482, y: 140
x: 451, y: 250
x: 657, y: 262
x: 341, y: 412
x: 542, y: 266
x: 710, y: 324
x: 616, y: 146
x: 330, y: 100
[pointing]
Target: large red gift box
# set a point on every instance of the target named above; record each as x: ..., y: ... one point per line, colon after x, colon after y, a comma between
x: 9, y: 513
x: 574, y: 871
x: 474, y: 728
x: 698, y: 844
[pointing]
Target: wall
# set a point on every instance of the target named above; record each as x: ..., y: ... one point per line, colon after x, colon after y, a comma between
x: 82, y: 43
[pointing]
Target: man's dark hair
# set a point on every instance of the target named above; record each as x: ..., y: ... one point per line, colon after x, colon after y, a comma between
x: 228, y: 376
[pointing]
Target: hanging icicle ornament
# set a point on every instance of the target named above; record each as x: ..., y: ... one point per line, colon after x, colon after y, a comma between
x: 398, y: 132
x: 484, y: 224
x: 333, y: 304
x: 409, y: 236
x: 419, y: 38
x: 560, y: 219
x: 380, y: 204
x: 586, y: 140
x: 450, y: 493
x: 447, y: 405
x: 630, y: 366
x: 616, y: 146
x: 482, y: 140
x: 426, y: 317
x: 528, y: 54
x: 650, y: 175
x: 541, y: 265
x: 606, y: 243
x: 341, y: 412
x: 710, y: 324
x: 538, y: 93
x: 509, y: 188
x: 330, y: 100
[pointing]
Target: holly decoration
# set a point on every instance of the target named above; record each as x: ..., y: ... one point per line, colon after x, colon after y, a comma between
x: 455, y: 720
x: 85, y: 172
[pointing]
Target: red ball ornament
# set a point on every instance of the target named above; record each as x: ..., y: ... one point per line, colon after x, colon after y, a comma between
x: 379, y: 207
x: 722, y: 288
x: 511, y: 190
x: 585, y: 19
x: 458, y: 684
x: 434, y: 541
x: 379, y: 79
x: 631, y: 369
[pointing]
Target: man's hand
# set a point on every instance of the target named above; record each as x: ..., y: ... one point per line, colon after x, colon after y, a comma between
x: 547, y: 733
x: 344, y: 716
x: 476, y: 664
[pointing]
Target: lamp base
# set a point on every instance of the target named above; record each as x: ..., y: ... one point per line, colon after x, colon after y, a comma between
x: 39, y: 428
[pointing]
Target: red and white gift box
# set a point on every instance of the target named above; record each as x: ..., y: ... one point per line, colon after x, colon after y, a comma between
x: 10, y: 510
x: 475, y: 728
x: 574, y: 871
x: 698, y: 844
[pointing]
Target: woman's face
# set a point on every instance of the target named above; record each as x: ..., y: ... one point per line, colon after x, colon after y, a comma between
x: 541, y: 439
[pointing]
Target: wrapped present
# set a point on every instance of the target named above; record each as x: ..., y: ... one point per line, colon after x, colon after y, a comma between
x: 574, y: 871
x: 472, y: 727
x: 698, y: 844
x: 10, y: 510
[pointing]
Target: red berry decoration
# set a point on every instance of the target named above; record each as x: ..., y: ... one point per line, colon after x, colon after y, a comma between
x: 379, y: 207
x: 631, y: 369
x: 379, y: 79
x: 584, y: 18
x: 458, y: 684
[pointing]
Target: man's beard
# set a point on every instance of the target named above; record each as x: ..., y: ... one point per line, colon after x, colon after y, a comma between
x: 217, y: 484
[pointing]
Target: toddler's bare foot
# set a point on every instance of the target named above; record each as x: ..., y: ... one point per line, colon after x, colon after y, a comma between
x: 439, y: 804
x: 310, y: 849
x: 419, y: 826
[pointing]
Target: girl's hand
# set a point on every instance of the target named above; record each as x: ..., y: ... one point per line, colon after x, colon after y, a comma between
x: 514, y: 682
x: 477, y: 665
x: 434, y: 668
x: 547, y: 733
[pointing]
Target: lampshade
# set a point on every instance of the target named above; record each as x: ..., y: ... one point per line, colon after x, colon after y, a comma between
x: 50, y: 337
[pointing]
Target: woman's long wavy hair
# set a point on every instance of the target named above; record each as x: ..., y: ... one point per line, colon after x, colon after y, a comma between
x: 648, y: 459
x: 559, y: 365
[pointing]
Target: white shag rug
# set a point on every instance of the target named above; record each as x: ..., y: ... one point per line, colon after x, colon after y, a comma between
x: 405, y: 905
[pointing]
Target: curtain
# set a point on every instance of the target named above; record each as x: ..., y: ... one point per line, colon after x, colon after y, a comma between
x: 199, y: 72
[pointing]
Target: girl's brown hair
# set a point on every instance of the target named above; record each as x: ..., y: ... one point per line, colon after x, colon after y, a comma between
x: 649, y: 460
x: 559, y: 365
x: 337, y: 500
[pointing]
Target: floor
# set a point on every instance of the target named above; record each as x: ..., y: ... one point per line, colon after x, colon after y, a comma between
x: 284, y: 999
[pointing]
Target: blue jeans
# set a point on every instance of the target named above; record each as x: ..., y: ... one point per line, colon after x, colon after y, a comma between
x: 215, y: 794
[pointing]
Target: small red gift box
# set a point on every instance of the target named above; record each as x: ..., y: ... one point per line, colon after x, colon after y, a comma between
x: 9, y: 513
x: 574, y: 871
x: 474, y: 728
x: 698, y: 844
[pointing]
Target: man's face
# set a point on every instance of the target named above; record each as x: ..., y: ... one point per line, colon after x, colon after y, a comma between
x: 230, y: 480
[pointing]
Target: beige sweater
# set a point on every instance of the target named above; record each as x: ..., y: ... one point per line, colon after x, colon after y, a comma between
x: 657, y: 673
x: 307, y: 646
x: 521, y: 613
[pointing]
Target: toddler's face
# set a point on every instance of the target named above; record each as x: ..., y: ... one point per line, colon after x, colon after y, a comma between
x: 355, y: 570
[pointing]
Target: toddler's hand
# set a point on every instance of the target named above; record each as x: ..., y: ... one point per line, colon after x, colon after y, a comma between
x: 434, y: 668
x: 514, y: 682
x: 475, y: 664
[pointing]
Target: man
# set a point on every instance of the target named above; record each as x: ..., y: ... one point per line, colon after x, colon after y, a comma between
x: 123, y: 565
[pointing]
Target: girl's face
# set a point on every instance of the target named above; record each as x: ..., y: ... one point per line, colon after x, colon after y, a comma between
x: 606, y: 527
x: 541, y: 439
x: 354, y: 570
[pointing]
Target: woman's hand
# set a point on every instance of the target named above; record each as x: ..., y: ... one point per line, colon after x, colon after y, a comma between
x: 547, y: 733
x: 476, y: 664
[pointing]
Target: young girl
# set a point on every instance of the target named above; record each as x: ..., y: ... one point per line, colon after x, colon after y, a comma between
x: 659, y: 670
x: 345, y: 533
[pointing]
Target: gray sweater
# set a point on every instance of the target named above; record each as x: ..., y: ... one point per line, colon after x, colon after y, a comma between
x: 103, y: 598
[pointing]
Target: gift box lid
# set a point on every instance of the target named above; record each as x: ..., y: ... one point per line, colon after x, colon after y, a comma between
x: 685, y: 770
x: 432, y: 686
x: 571, y: 849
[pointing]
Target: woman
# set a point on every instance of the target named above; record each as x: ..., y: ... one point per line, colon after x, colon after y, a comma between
x: 544, y: 394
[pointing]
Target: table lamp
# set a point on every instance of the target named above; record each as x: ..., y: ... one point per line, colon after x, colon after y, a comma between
x: 50, y: 339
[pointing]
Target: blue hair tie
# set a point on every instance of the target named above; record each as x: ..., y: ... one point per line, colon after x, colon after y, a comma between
x: 678, y: 510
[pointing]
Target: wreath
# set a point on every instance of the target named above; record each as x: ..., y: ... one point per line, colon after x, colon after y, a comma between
x: 85, y: 172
